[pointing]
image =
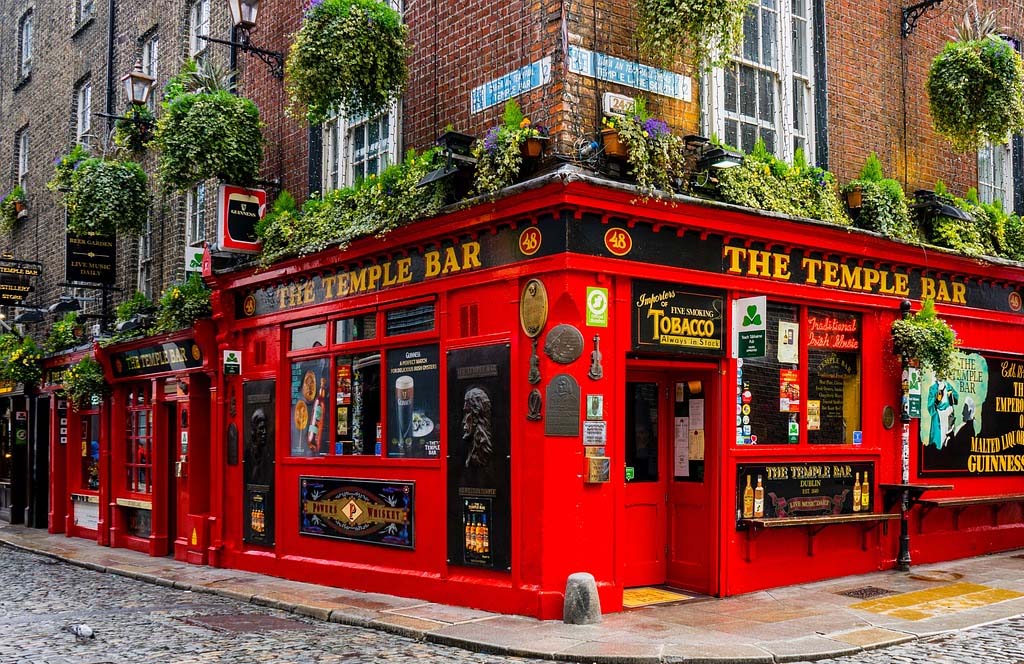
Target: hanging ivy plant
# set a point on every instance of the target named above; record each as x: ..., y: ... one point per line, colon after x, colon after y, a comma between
x: 64, y: 168
x: 925, y: 337
x: 66, y: 333
x: 134, y: 131
x: 10, y: 208
x: 107, y: 197
x: 976, y: 87
x: 708, y: 31
x: 83, y: 381
x: 20, y: 359
x: 348, y: 54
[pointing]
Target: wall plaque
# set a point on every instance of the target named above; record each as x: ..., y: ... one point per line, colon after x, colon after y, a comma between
x: 563, y: 398
x: 564, y: 344
x: 533, y: 307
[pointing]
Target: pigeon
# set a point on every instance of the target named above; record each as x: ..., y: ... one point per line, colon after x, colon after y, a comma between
x: 81, y: 632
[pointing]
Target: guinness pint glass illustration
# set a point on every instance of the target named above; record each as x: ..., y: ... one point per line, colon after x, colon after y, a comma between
x: 403, y: 410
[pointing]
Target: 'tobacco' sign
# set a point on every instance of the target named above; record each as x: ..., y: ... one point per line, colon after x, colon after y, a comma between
x: 238, y: 211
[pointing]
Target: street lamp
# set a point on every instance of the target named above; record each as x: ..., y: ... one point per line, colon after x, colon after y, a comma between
x: 137, y: 85
x: 243, y: 19
x: 243, y: 13
x: 65, y: 304
x: 903, y: 558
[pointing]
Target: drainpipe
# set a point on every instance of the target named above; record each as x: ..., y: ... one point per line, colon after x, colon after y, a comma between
x: 109, y: 106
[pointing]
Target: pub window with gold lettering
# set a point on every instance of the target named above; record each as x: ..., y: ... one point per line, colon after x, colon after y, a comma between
x: 833, y: 377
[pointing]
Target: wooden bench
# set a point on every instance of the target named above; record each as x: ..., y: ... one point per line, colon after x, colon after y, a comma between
x: 959, y: 503
x: 815, y: 524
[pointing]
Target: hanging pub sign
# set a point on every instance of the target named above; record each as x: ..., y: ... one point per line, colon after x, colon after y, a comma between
x: 359, y: 510
x: 667, y: 317
x: 972, y: 422
x: 16, y: 280
x: 168, y: 356
x: 479, y: 462
x: 90, y: 259
x: 782, y: 490
x: 238, y: 211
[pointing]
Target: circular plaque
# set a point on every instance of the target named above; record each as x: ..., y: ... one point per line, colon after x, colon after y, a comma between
x: 564, y: 344
x: 533, y: 307
x: 888, y: 417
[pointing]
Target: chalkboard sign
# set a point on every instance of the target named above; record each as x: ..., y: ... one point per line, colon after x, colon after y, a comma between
x: 782, y: 490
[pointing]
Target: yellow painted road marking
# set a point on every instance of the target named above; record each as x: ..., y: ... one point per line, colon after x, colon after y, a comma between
x: 634, y: 597
x: 943, y: 600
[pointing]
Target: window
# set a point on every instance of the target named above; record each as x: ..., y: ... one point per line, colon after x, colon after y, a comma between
x: 994, y: 175
x: 145, y: 275
x: 195, y: 229
x: 358, y: 148
x: 86, y: 9
x: 22, y: 157
x: 807, y: 387
x: 83, y: 113
x: 198, y: 28
x: 25, y: 45
x: 150, y: 58
x: 139, y: 440
x: 767, y: 91
x: 364, y: 395
x: 89, y: 479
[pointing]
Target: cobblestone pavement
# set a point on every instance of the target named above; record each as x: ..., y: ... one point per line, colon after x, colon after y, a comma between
x: 139, y: 623
x: 996, y: 643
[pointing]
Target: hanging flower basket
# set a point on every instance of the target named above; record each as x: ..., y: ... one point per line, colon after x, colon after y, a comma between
x: 926, y: 338
x: 349, y: 55
x: 976, y: 87
x: 708, y: 32
x: 107, y: 197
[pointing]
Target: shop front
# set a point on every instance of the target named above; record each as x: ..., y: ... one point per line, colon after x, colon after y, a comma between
x: 159, y: 443
x: 573, y: 380
x: 23, y: 459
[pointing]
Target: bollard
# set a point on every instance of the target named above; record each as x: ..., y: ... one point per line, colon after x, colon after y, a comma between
x: 582, y: 606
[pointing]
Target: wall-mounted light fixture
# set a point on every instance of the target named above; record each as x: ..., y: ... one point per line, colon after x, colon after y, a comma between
x: 137, y: 85
x: 243, y: 19
x: 931, y: 204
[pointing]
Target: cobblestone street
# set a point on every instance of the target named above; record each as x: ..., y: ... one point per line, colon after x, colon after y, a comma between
x: 138, y: 622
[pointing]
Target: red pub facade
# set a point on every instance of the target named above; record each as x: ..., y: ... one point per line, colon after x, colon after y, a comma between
x: 568, y: 379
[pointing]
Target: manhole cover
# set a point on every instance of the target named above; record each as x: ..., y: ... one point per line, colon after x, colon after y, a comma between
x: 867, y: 592
x: 250, y: 622
x: 936, y: 576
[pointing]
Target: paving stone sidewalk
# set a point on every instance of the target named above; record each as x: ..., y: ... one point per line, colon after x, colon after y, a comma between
x: 797, y: 623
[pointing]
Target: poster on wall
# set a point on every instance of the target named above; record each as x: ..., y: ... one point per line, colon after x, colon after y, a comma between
x: 258, y: 462
x: 310, y: 412
x: 358, y: 510
x: 479, y: 462
x: 668, y: 318
x: 781, y: 490
x: 972, y: 422
x: 414, y: 403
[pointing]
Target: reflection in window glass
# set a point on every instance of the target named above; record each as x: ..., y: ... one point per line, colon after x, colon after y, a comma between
x: 310, y: 336
x: 768, y: 411
x: 357, y: 328
x: 642, y: 431
x: 833, y: 381
x: 419, y: 318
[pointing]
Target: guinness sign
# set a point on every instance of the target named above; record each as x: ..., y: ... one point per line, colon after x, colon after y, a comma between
x: 238, y: 211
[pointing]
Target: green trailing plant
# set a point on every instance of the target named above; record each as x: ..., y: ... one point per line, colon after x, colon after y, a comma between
x: 499, y: 157
x: 348, y: 55
x: 20, y: 359
x: 9, y: 208
x: 765, y: 182
x: 976, y: 87
x: 134, y: 131
x: 707, y: 31
x: 655, y: 156
x: 372, y: 207
x: 883, y: 203
x: 1013, y: 238
x: 181, y: 305
x: 64, y: 168
x: 926, y: 338
x: 84, y: 381
x: 107, y: 197
x: 66, y: 333
x: 207, y: 132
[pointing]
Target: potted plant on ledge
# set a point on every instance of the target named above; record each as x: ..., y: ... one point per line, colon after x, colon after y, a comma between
x: 925, y: 338
x: 499, y: 156
x: 12, y: 208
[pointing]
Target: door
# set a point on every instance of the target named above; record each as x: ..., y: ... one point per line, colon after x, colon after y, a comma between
x: 177, y: 487
x: 670, y: 437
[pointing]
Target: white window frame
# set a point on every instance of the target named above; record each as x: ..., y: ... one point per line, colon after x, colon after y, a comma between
x: 788, y: 124
x: 195, y: 216
x: 341, y: 156
x: 150, y: 64
x: 83, y: 112
x: 25, y: 44
x: 86, y: 9
x: 145, y: 272
x: 23, y: 147
x: 995, y: 174
x: 198, y: 27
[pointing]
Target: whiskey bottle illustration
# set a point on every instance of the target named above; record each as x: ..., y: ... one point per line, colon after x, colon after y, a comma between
x: 856, y: 492
x: 485, y: 535
x: 316, y: 422
x: 472, y: 535
x: 748, y: 500
x: 759, y: 499
x: 865, y: 494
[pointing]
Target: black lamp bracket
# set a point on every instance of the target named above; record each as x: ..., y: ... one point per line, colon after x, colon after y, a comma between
x: 914, y: 12
x: 273, y: 59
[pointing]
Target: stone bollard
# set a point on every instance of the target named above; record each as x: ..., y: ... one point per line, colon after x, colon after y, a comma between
x: 582, y: 606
